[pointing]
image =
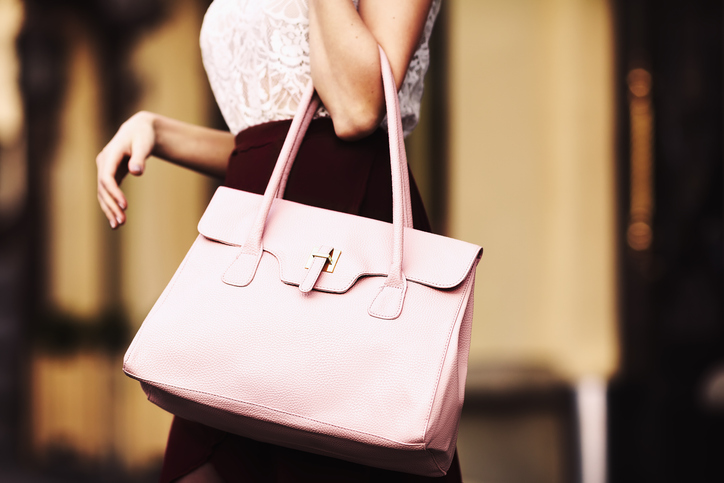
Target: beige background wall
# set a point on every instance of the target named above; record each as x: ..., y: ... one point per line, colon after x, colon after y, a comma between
x: 531, y: 105
x: 76, y: 245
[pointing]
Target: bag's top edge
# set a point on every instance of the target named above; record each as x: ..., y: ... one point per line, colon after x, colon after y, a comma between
x: 294, y: 230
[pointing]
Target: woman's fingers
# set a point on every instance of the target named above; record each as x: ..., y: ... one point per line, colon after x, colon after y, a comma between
x: 111, y: 170
x: 126, y: 152
x: 111, y: 208
x: 121, y: 170
x: 139, y: 153
x: 107, y: 211
x: 112, y: 166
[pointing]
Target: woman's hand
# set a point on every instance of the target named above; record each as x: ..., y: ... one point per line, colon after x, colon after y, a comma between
x: 126, y: 152
x: 144, y: 134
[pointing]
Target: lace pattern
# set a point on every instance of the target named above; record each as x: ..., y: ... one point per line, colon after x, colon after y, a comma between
x: 256, y: 55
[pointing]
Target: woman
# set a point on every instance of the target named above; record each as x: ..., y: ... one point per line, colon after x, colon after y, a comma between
x: 259, y: 56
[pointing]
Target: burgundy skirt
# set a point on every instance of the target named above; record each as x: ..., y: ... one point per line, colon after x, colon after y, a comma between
x: 352, y: 177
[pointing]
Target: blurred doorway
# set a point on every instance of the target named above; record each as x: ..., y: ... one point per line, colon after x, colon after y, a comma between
x: 666, y: 411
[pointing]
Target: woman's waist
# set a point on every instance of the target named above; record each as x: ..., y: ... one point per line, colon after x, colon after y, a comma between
x: 272, y: 131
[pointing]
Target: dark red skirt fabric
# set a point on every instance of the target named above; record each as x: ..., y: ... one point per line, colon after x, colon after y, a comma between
x: 352, y: 177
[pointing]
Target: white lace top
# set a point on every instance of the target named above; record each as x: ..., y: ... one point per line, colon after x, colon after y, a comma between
x: 256, y: 54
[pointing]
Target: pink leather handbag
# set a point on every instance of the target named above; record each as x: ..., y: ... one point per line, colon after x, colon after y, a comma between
x: 317, y: 330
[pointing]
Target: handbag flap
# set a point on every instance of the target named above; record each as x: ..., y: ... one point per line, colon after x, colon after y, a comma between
x: 293, y: 231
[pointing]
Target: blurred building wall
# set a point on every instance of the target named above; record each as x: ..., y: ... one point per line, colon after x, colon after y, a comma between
x: 165, y: 204
x: 76, y: 278
x: 531, y: 179
x: 13, y: 235
x: 13, y: 175
x: 82, y: 403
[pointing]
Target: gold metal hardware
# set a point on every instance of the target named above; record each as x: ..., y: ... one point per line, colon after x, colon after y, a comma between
x: 332, y: 255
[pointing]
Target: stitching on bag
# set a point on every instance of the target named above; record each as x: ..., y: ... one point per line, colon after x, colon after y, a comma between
x: 160, y: 303
x: 162, y: 384
x: 327, y: 288
x: 356, y: 277
x: 223, y: 277
x: 469, y: 265
x: 458, y: 282
x: 397, y: 310
x: 230, y: 281
x: 442, y: 360
x: 434, y: 460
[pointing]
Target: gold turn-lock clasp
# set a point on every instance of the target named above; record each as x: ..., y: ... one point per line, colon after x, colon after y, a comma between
x: 331, y: 254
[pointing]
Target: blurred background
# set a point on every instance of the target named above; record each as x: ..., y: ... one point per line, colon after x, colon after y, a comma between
x: 578, y: 141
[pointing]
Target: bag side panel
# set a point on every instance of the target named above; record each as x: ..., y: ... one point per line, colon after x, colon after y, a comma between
x: 442, y: 429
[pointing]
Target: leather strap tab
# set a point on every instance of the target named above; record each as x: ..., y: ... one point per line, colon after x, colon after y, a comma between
x: 388, y: 302
x: 242, y: 270
x: 321, y: 257
x: 314, y: 271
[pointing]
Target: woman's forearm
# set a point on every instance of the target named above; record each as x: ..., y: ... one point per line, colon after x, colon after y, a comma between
x: 345, y: 67
x: 144, y: 134
x: 195, y: 147
x: 345, y: 60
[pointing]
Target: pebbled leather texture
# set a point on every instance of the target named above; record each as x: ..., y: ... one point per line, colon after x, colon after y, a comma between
x: 366, y: 364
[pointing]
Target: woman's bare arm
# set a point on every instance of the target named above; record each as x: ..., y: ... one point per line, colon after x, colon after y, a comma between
x: 198, y: 148
x: 144, y: 134
x: 345, y: 60
x: 346, y: 73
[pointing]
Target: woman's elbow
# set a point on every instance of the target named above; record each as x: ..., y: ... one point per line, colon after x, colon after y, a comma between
x: 357, y: 124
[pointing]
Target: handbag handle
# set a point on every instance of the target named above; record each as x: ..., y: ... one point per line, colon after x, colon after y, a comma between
x: 306, y: 110
x: 388, y: 302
